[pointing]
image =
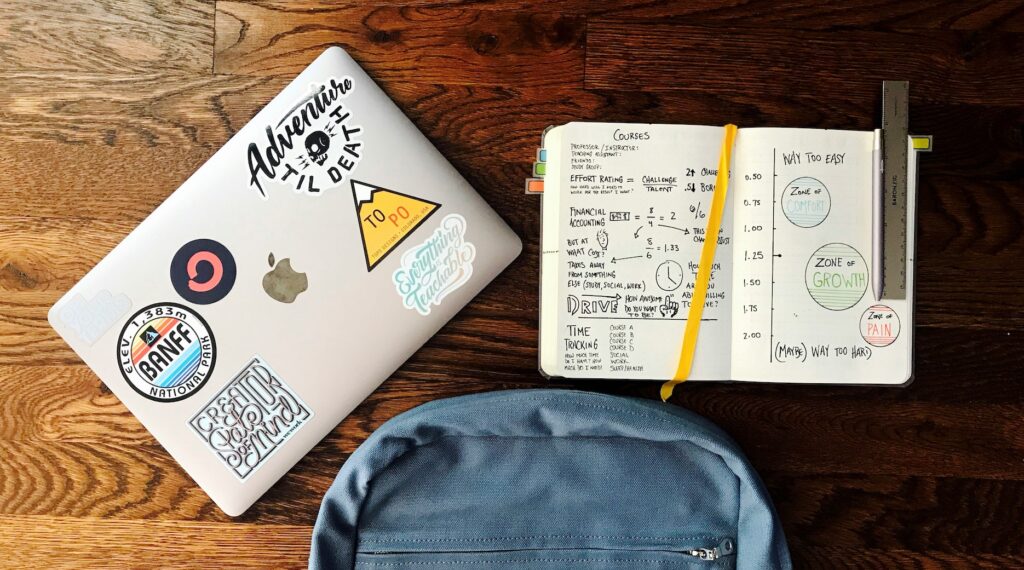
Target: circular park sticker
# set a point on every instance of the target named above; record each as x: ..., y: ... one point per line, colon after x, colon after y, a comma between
x: 880, y: 325
x: 836, y: 276
x: 806, y: 202
x: 166, y: 352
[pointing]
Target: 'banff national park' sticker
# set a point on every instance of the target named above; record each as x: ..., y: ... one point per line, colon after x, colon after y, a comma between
x: 166, y: 352
x: 250, y: 418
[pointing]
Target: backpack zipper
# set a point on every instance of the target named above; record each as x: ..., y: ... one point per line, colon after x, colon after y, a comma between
x: 724, y: 548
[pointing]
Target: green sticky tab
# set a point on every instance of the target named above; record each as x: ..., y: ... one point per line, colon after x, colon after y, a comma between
x: 539, y: 168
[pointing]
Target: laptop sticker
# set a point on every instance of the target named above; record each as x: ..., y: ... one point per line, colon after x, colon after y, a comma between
x: 313, y: 147
x: 91, y: 318
x: 203, y: 271
x: 166, y: 352
x: 386, y: 218
x: 435, y: 268
x: 283, y: 283
x: 250, y: 418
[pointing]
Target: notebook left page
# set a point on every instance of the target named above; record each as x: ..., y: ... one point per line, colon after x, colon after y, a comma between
x: 624, y: 212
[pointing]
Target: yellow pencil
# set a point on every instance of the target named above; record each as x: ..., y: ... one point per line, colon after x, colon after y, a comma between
x: 707, y: 259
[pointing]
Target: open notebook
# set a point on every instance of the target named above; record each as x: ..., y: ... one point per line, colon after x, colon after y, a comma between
x: 790, y: 299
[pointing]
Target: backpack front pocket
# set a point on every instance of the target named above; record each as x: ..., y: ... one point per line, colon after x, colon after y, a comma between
x: 546, y: 552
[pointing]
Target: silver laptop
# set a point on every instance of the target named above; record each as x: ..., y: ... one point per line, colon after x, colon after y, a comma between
x: 284, y: 281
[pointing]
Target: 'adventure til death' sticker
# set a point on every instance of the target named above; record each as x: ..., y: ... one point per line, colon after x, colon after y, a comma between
x: 435, y: 268
x: 386, y: 218
x: 314, y: 147
x: 250, y: 418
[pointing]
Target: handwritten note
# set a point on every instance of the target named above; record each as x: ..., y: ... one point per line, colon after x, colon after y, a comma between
x: 625, y: 211
x: 631, y: 222
x: 804, y: 309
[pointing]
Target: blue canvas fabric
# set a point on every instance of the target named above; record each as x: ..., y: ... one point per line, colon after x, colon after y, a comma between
x: 547, y: 479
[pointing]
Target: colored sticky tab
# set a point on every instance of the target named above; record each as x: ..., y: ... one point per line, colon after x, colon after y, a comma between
x: 542, y: 155
x: 386, y: 218
x: 539, y: 168
x: 707, y: 259
x: 922, y: 143
x: 534, y: 185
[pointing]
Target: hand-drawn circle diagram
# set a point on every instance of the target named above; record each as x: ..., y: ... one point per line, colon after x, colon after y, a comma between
x: 836, y: 276
x: 806, y: 202
x: 669, y: 275
x: 880, y: 325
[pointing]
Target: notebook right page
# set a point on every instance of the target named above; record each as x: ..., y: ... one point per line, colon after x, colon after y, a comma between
x: 803, y: 308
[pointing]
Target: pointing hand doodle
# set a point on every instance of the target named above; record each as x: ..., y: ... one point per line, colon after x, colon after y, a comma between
x: 669, y: 308
x: 602, y: 239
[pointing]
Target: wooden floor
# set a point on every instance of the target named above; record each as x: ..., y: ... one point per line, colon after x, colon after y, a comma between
x: 106, y: 106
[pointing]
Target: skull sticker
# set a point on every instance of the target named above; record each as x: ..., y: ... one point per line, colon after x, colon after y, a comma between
x: 317, y: 144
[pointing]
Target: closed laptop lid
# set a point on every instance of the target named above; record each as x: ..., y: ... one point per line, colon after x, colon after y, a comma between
x: 284, y: 281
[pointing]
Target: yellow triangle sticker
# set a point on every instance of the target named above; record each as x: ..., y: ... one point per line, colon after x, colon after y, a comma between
x: 386, y: 218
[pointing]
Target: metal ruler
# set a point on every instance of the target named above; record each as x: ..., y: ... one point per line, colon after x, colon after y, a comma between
x: 895, y: 130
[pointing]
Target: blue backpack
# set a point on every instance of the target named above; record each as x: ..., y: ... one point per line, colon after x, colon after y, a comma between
x: 531, y: 479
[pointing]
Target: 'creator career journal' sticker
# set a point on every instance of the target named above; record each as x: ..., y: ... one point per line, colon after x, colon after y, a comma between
x: 432, y: 270
x: 203, y: 271
x: 166, y: 352
x: 314, y: 147
x: 250, y: 418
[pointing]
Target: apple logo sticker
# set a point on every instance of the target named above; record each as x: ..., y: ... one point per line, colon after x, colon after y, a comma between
x: 282, y: 282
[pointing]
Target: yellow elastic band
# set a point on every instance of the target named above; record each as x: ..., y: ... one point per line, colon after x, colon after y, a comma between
x: 707, y: 259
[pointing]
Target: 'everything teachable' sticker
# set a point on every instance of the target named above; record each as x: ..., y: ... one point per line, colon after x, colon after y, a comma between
x: 435, y: 268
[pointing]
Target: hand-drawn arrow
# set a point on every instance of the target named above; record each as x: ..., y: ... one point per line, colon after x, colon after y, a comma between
x: 616, y: 297
x: 614, y: 259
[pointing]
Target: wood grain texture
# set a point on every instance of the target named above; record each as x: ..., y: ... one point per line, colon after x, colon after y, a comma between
x: 76, y: 542
x: 866, y: 511
x: 948, y: 66
x: 873, y: 559
x: 93, y: 92
x: 803, y: 14
x: 137, y: 111
x: 442, y: 45
x: 106, y: 35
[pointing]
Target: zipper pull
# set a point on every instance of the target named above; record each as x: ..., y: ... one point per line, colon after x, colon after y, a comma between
x: 724, y: 548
